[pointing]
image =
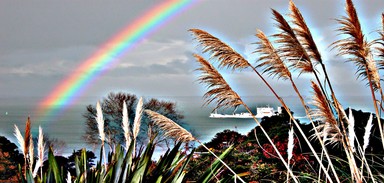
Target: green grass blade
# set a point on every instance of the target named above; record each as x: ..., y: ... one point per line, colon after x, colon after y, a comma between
x: 53, y: 167
x: 215, y: 166
x: 145, y: 159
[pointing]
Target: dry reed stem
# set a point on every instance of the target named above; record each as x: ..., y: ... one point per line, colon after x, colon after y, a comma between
x: 170, y: 128
x: 269, y: 59
x: 323, y: 112
x: 292, y: 50
x: 218, y: 89
x: 290, y: 46
x: 303, y: 32
x: 27, y: 135
x: 225, y: 55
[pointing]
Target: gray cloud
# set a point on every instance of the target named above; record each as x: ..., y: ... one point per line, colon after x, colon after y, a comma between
x: 41, y: 43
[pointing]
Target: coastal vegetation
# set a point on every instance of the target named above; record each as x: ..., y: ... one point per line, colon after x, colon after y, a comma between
x: 336, y: 145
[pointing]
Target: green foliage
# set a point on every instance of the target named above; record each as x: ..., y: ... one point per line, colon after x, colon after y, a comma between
x: 215, y: 167
x: 9, y: 159
x: 53, y: 168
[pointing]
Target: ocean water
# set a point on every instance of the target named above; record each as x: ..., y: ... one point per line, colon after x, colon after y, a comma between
x: 69, y: 126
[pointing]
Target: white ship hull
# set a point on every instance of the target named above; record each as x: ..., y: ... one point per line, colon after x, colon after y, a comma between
x: 245, y: 116
x: 261, y: 112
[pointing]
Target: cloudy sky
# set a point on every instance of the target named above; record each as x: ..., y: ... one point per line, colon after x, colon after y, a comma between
x: 41, y: 42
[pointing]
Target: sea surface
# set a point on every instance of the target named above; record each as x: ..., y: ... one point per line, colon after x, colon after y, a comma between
x: 69, y: 126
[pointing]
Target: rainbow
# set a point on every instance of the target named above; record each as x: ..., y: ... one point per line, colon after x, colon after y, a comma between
x: 72, y: 87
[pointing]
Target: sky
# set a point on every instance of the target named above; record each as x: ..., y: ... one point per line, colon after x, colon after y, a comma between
x: 42, y: 42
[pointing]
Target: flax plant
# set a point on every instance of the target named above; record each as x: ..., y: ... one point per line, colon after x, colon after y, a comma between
x: 173, y: 130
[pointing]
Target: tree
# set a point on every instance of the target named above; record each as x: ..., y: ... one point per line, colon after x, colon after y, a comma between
x: 10, y: 157
x: 57, y: 145
x: 112, y: 107
x: 225, y: 138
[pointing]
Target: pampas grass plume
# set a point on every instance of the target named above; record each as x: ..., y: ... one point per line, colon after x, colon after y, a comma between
x: 125, y: 125
x: 40, y: 152
x: 20, y: 140
x: 351, y: 130
x: 100, y: 122
x: 69, y: 179
x: 30, y: 153
x: 170, y: 128
x: 290, y: 144
x: 137, y: 121
x: 367, y: 133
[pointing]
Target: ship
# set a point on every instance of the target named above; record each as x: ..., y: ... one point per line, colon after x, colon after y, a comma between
x: 260, y: 113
